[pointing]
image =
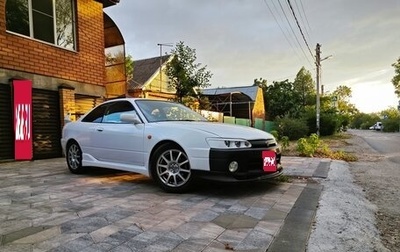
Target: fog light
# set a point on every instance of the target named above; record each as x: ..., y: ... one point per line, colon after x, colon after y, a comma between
x: 233, y: 166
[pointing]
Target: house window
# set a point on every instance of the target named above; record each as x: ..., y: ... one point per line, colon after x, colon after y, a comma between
x: 51, y: 21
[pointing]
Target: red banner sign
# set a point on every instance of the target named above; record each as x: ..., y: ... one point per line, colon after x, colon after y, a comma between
x: 23, y: 119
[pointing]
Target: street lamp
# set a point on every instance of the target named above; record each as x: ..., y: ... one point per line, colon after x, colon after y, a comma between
x: 161, y: 45
x: 318, y: 65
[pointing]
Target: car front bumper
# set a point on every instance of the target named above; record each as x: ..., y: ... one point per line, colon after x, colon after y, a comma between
x: 250, y: 164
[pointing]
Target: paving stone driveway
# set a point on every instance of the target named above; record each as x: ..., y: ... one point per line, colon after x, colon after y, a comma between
x: 43, y: 207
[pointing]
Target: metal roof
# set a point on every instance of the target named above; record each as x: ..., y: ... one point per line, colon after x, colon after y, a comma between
x: 250, y: 91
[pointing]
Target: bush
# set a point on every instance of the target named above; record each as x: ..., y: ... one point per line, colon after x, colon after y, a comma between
x: 308, y: 146
x: 391, y: 125
x: 329, y: 123
x: 292, y: 128
x: 314, y: 147
x: 285, y: 142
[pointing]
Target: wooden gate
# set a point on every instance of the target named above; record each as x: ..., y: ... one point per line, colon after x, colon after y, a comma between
x: 84, y: 103
x: 46, y: 124
x: 6, y: 123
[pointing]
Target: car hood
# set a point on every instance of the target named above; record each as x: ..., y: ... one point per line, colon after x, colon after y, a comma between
x: 221, y: 129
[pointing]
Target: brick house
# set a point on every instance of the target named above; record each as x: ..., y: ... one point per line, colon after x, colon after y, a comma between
x: 70, y: 52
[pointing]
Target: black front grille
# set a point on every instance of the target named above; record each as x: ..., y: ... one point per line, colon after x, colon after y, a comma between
x: 263, y: 143
x: 250, y: 160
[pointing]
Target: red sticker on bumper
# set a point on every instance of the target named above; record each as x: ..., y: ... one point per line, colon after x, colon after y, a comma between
x: 269, y: 161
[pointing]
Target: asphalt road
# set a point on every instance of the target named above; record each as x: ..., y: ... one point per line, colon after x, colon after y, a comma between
x: 387, y: 144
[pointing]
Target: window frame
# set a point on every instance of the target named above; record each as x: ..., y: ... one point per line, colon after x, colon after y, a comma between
x: 117, y: 109
x: 109, y: 110
x: 54, y: 17
x: 101, y: 109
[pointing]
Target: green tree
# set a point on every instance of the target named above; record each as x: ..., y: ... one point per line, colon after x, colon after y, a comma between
x: 390, y: 113
x: 129, y: 67
x: 342, y: 93
x: 341, y: 97
x: 396, y: 77
x: 185, y: 75
x: 391, y: 117
x: 262, y: 83
x: 304, y: 86
x: 286, y: 98
x: 339, y: 101
x: 281, y: 99
x: 364, y: 120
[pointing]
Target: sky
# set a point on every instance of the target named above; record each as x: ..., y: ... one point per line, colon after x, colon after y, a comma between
x: 242, y: 40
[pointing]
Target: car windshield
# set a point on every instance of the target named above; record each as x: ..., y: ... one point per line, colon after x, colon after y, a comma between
x: 157, y: 111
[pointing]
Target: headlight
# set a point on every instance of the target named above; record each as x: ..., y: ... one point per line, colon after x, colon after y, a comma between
x: 228, y: 143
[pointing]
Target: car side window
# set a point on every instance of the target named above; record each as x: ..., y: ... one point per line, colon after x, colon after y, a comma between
x: 96, y: 116
x: 115, y: 110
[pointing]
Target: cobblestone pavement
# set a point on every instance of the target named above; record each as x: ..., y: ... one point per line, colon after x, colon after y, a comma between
x: 43, y: 207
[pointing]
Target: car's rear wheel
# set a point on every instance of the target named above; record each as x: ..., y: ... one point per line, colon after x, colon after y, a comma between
x: 171, y: 169
x: 74, y: 157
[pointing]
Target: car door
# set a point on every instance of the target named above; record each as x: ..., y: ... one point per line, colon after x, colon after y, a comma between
x: 88, y: 139
x: 117, y: 141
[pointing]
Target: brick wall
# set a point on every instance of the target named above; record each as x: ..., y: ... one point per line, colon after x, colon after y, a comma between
x: 67, y: 103
x: 85, y: 65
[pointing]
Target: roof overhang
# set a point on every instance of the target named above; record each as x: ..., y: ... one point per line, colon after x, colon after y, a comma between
x: 112, y: 34
x: 231, y: 96
x: 107, y: 3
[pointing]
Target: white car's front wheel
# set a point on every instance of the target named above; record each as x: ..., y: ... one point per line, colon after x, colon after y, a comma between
x: 74, y: 157
x: 171, y: 168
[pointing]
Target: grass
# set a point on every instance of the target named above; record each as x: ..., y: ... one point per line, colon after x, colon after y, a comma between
x: 329, y: 147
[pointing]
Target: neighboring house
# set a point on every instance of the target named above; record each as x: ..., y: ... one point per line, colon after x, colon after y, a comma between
x: 149, y: 81
x: 53, y: 57
x: 240, y: 102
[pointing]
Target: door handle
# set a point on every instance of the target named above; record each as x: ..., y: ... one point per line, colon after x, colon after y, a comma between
x: 100, y: 129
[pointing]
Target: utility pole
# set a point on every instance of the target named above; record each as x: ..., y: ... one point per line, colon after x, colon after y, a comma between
x: 318, y: 65
x: 161, y: 45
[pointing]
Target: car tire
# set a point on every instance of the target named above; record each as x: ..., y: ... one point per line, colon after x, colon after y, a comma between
x: 74, y: 157
x: 170, y: 168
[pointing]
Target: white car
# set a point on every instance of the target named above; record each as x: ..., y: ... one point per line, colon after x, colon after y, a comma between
x: 377, y: 126
x: 168, y: 142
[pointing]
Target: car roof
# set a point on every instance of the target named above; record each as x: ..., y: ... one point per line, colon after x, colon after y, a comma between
x: 134, y: 99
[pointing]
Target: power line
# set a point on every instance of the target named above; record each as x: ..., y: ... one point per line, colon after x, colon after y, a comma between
x: 302, y: 19
x: 301, y: 31
x: 294, y: 34
x: 302, y: 8
x: 280, y: 27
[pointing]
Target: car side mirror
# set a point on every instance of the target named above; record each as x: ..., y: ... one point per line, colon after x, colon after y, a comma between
x: 130, y: 118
